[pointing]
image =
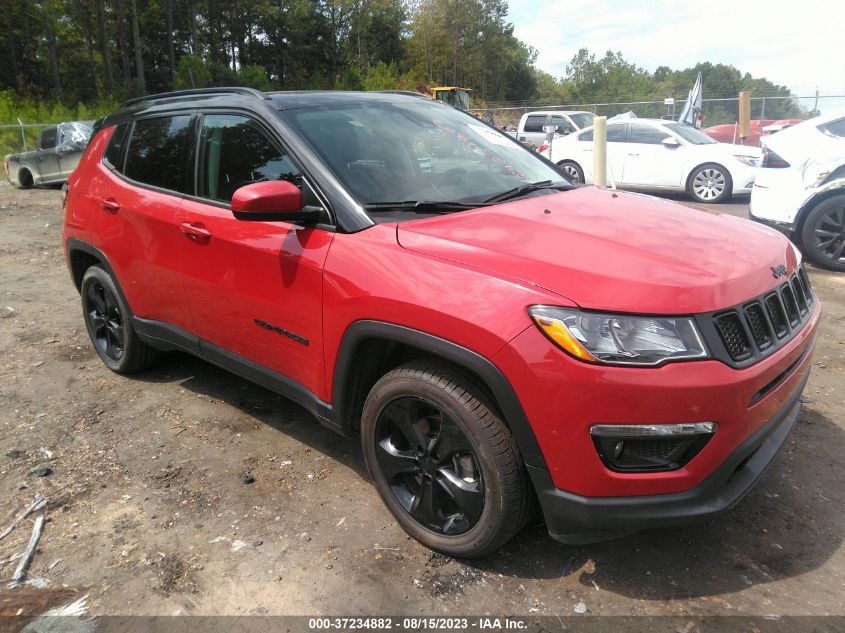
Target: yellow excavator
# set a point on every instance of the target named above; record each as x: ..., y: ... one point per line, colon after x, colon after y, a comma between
x: 455, y: 97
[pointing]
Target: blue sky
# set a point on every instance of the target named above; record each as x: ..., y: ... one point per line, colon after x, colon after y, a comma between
x: 797, y: 44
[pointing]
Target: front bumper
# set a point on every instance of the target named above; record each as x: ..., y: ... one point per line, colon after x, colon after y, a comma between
x: 573, y: 518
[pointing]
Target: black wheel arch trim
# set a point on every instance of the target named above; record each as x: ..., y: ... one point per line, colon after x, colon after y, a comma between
x: 76, y: 245
x: 492, y: 376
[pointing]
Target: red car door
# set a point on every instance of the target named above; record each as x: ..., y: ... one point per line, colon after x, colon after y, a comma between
x: 137, y: 192
x: 254, y: 288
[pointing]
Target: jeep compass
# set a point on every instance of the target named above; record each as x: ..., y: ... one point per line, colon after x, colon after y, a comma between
x: 495, y: 336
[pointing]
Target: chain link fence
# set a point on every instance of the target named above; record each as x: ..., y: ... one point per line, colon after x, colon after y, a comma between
x: 716, y: 111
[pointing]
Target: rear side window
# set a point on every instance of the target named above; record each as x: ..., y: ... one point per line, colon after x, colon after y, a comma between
x: 157, y: 154
x: 615, y: 134
x: 834, y: 128
x: 535, y: 123
x: 114, y: 152
x: 235, y: 151
x: 48, y: 138
x: 646, y: 134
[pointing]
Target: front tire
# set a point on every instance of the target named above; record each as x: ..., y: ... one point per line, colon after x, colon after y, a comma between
x: 572, y: 171
x: 443, y: 461
x: 109, y: 324
x: 710, y: 183
x: 823, y: 234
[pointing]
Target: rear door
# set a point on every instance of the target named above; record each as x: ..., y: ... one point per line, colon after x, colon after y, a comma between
x: 532, y: 131
x: 647, y: 162
x: 254, y: 287
x: 136, y: 196
x: 46, y: 159
x: 615, y: 153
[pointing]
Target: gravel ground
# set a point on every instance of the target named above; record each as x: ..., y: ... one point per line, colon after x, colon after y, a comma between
x: 149, y: 511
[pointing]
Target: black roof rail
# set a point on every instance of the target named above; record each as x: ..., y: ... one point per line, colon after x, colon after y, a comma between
x: 196, y: 92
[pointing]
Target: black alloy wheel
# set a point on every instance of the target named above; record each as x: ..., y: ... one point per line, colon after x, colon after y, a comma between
x: 443, y: 460
x: 430, y: 465
x: 106, y: 323
x: 108, y: 320
x: 823, y: 235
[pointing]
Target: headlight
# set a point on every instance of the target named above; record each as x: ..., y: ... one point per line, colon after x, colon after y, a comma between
x: 619, y: 339
x: 751, y: 161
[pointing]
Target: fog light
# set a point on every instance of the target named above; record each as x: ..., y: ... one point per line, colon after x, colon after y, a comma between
x: 650, y: 447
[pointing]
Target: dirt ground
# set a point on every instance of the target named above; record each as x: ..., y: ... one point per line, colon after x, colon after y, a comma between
x: 150, y: 510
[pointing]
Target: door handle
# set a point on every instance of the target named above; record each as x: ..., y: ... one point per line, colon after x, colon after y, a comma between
x: 110, y: 205
x: 633, y: 154
x: 196, y: 232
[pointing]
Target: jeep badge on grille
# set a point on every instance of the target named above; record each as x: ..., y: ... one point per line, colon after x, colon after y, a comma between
x: 778, y: 271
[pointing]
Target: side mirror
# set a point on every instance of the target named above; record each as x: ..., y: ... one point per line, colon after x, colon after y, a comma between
x: 671, y: 141
x: 268, y: 201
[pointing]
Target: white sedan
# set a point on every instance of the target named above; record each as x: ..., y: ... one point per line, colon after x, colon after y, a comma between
x: 658, y: 155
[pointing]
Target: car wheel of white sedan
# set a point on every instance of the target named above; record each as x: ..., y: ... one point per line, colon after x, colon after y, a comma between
x: 710, y: 183
x: 572, y: 171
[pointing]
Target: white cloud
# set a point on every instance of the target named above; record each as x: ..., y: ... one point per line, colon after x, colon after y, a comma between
x: 797, y: 45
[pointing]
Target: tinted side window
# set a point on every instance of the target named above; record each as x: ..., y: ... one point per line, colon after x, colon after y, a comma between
x: 615, y: 134
x: 535, y: 123
x: 646, y: 134
x: 158, y: 152
x: 234, y: 151
x: 834, y: 128
x: 48, y: 138
x: 114, y: 152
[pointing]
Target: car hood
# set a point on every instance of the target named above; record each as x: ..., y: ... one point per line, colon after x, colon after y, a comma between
x: 608, y: 250
x: 729, y: 149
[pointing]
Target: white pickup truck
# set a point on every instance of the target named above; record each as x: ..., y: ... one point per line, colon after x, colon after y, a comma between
x: 59, y: 149
x: 530, y: 129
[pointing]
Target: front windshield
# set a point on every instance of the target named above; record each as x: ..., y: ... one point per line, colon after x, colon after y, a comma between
x: 582, y: 119
x: 417, y: 150
x: 689, y: 134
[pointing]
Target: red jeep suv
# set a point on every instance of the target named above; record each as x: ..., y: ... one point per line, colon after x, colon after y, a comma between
x: 412, y: 276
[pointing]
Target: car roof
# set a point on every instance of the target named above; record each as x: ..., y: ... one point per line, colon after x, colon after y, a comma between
x: 559, y: 112
x: 254, y: 99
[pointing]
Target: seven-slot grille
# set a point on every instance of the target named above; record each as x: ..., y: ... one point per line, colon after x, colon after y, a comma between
x: 765, y: 321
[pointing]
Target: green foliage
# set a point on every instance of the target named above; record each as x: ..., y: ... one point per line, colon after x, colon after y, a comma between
x: 381, y: 77
x: 54, y: 53
x: 14, y: 107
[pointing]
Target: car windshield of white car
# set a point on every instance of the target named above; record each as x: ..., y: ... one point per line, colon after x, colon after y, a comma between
x: 690, y: 134
x: 582, y: 119
x: 418, y: 150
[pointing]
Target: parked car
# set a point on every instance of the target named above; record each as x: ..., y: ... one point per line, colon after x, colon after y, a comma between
x: 59, y: 149
x: 659, y: 155
x: 760, y: 128
x: 800, y: 187
x: 530, y: 128
x: 492, y: 334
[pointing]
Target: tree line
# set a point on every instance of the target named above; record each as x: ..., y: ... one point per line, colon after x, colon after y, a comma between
x: 103, y: 51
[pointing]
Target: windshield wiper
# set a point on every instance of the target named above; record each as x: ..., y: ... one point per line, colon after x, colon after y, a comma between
x: 421, y: 206
x: 529, y: 188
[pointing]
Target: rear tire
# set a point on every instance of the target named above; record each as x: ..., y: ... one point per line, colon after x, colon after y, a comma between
x: 109, y: 323
x: 443, y: 462
x: 25, y: 179
x: 572, y: 171
x: 823, y: 234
